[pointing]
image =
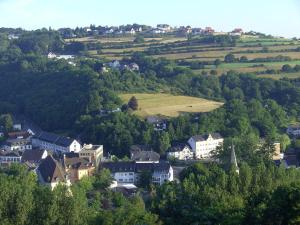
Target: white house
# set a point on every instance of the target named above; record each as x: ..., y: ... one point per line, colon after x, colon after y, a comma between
x: 17, y: 144
x: 203, y: 145
x: 129, y: 172
x: 180, y: 151
x: 55, y: 142
x: 7, y: 157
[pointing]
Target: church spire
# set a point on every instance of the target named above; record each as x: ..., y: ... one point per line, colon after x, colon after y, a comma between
x: 233, y: 160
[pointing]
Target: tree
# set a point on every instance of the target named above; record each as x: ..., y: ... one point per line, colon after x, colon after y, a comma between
x: 286, y: 68
x: 145, y: 179
x: 217, y: 62
x: 229, y: 58
x: 139, y: 39
x: 6, y: 122
x: 102, y: 179
x: 133, y: 103
x: 164, y: 142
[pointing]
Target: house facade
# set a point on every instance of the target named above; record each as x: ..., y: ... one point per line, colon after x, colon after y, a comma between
x: 55, y: 142
x: 8, y: 157
x: 130, y: 172
x: 204, y: 145
x: 17, y: 144
x: 180, y: 152
x: 92, y: 152
x: 76, y: 168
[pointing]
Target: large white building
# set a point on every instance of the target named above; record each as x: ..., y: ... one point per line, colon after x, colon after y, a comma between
x: 93, y: 152
x: 55, y: 142
x: 129, y: 172
x: 204, y: 145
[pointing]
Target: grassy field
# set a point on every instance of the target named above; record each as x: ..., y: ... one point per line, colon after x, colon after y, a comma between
x: 167, y: 105
x: 177, y: 48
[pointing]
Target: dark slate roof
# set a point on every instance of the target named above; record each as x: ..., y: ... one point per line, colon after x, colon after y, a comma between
x: 291, y: 160
x: 135, y: 167
x: 54, y: 138
x: 145, y: 156
x: 51, y: 171
x: 178, y: 147
x: 205, y: 136
x: 34, y: 155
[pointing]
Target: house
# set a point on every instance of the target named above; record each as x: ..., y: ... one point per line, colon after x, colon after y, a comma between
x: 130, y: 31
x: 204, y: 145
x: 236, y: 32
x: 76, y: 167
x: 277, y: 155
x: 293, y: 130
x: 180, y: 151
x: 143, y: 154
x: 92, y: 152
x: 34, y: 156
x: 51, y: 55
x: 51, y: 173
x: 8, y: 157
x: 197, y: 31
x: 157, y: 31
x: 164, y: 27
x: 17, y: 126
x: 18, y: 134
x: 158, y: 123
x: 13, y: 144
x: 134, y: 67
x: 209, y: 30
x: 55, y: 143
x: 130, y: 172
x: 114, y: 64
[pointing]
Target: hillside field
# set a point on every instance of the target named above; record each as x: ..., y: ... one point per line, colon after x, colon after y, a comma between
x: 168, y: 105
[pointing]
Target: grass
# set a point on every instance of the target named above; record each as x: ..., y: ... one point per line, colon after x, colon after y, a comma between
x: 167, y: 105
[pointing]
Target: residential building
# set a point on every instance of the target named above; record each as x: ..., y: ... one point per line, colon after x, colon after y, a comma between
x: 180, y: 151
x: 94, y: 153
x: 208, y: 30
x: 8, y: 157
x: 164, y: 27
x: 157, y: 31
x: 291, y: 159
x: 17, y: 144
x: 158, y: 123
x: 51, y: 173
x: 76, y: 168
x: 129, y: 172
x: 134, y: 67
x: 293, y: 130
x: 19, y: 135
x: 55, y: 143
x: 204, y: 145
x: 140, y: 155
x: 130, y: 31
x: 114, y: 64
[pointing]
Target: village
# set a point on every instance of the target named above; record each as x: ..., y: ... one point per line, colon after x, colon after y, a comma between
x: 57, y: 159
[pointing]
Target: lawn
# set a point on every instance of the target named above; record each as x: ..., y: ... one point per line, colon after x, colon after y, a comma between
x: 168, y: 105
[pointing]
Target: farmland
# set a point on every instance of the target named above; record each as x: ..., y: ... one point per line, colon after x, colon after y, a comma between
x: 180, y: 49
x: 169, y: 105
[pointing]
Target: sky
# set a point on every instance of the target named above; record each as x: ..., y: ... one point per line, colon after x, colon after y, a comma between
x: 276, y: 17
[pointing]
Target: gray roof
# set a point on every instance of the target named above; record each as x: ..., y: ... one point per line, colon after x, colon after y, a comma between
x: 205, y: 136
x: 34, y: 155
x: 54, y: 138
x: 136, y: 167
x: 145, y: 156
x: 178, y: 147
x: 51, y: 171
